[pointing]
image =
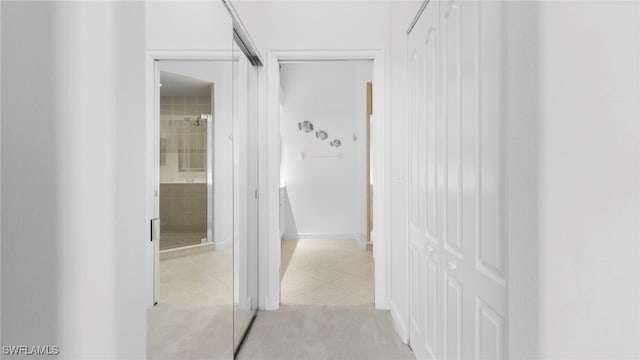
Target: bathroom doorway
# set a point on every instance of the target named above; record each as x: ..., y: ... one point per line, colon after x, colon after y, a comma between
x: 194, y: 184
x: 325, y: 182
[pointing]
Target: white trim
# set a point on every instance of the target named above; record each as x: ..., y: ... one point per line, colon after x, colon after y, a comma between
x: 221, y: 245
x: 0, y: 175
x: 326, y: 1
x: 270, y: 175
x: 210, y: 169
x: 186, y: 250
x: 269, y: 191
x: 152, y: 143
x: 401, y: 325
x: 241, y: 202
x: 322, y: 236
x: 195, y: 55
x: 638, y: 107
x: 407, y: 254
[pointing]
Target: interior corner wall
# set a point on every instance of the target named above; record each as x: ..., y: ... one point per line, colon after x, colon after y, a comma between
x: 589, y: 179
x: 131, y: 219
x: 72, y: 177
x: 521, y: 72
x: 325, y: 195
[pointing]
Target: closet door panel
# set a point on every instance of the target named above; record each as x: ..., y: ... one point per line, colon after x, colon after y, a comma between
x: 457, y: 181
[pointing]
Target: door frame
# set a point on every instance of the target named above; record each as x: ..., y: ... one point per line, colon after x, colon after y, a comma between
x: 153, y: 146
x: 269, y: 177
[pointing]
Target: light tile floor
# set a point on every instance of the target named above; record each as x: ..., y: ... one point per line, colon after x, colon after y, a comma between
x: 321, y: 281
x: 197, y: 280
x: 325, y: 272
x: 194, y: 315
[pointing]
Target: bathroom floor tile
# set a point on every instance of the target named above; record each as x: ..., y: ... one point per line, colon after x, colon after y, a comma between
x: 325, y: 272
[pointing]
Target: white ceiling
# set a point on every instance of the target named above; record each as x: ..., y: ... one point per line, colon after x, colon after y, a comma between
x: 179, y: 85
x: 325, y: 1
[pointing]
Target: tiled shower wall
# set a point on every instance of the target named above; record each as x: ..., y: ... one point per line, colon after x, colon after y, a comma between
x: 173, y: 112
x: 183, y: 208
x: 185, y: 105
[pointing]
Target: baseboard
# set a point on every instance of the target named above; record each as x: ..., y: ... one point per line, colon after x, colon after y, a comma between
x: 221, y: 245
x: 382, y: 304
x: 361, y: 239
x: 269, y: 304
x: 400, y: 325
x: 320, y: 236
x: 186, y: 250
x: 246, y: 305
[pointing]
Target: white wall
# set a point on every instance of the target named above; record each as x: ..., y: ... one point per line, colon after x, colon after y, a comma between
x: 324, y: 194
x: 73, y: 163
x: 354, y: 25
x: 589, y: 176
x: 522, y: 178
x: 133, y: 225
x: 188, y: 26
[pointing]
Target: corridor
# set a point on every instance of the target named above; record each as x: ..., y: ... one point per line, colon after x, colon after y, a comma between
x: 326, y: 308
x: 324, y: 332
x: 205, y: 179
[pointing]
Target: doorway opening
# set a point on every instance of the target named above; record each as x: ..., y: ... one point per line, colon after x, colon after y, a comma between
x: 325, y: 182
x: 271, y: 251
x: 194, y: 206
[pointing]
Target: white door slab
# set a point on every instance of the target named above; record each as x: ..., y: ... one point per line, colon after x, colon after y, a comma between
x: 457, y: 187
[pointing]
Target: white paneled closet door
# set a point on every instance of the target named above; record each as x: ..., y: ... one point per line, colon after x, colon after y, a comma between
x: 457, y: 244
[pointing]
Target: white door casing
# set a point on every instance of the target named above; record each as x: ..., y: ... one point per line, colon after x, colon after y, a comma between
x: 240, y: 195
x: 457, y: 178
x: 245, y: 184
x: 269, y: 195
